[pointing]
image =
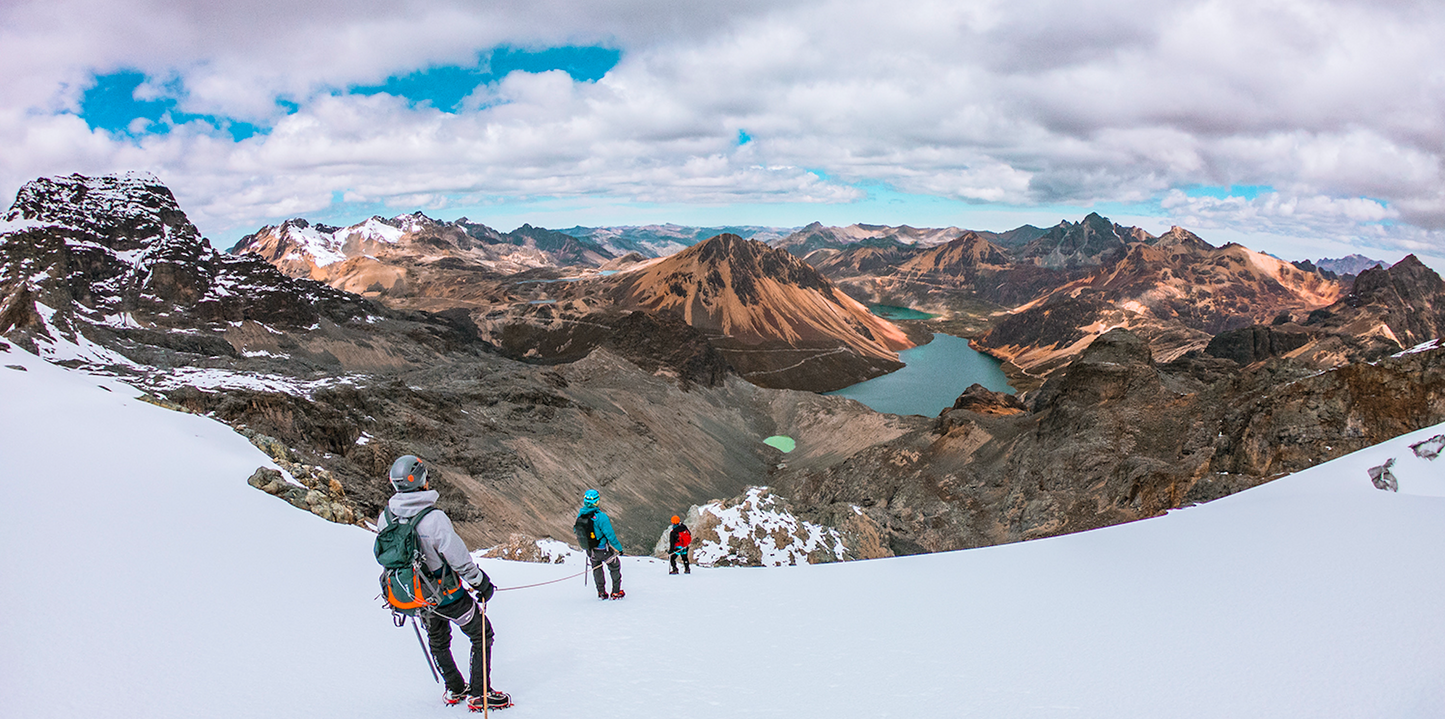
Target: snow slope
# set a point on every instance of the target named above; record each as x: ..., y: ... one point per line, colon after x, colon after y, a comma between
x: 144, y: 578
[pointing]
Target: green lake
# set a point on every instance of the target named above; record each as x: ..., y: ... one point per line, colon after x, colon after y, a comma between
x: 890, y: 312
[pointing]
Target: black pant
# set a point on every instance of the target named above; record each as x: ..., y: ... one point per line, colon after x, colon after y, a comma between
x: 468, y: 616
x: 673, y: 561
x: 599, y: 557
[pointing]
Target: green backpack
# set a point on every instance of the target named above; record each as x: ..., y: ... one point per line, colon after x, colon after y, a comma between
x: 408, y: 586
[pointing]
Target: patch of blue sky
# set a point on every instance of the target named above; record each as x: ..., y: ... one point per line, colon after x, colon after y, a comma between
x: 1248, y: 192
x: 444, y: 87
x: 111, y: 104
x: 744, y: 138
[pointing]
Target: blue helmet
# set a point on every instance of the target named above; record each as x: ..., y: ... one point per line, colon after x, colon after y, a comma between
x: 591, y: 498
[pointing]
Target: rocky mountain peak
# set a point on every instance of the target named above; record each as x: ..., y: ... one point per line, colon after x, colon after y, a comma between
x: 122, y: 211
x: 1180, y: 237
x: 773, y: 316
x: 748, y: 260
x: 1116, y: 364
x: 1407, y: 279
x: 120, y: 245
x: 1087, y: 243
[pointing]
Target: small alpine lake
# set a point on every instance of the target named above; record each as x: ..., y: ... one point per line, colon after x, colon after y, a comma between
x: 892, y: 312
x: 935, y: 375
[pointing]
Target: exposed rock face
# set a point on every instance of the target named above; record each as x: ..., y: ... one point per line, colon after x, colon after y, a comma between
x: 658, y: 343
x: 981, y: 400
x: 1349, y: 265
x: 318, y: 501
x: 961, y: 258
x: 777, y: 321
x: 758, y: 529
x: 1257, y: 342
x: 1408, y: 298
x: 1087, y: 243
x: 118, y: 246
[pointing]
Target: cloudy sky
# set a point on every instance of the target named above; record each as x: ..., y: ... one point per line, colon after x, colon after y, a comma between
x: 1307, y: 128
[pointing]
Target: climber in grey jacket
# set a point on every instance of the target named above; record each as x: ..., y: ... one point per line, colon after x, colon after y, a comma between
x: 444, y: 551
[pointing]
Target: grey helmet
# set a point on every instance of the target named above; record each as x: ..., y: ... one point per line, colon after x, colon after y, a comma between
x: 408, y: 474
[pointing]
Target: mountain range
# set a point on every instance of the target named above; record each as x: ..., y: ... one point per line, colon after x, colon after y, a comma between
x: 1165, y: 371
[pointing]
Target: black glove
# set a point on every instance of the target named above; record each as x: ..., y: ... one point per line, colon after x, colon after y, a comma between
x: 485, y: 589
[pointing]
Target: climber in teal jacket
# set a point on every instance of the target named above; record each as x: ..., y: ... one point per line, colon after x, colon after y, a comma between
x: 601, y: 544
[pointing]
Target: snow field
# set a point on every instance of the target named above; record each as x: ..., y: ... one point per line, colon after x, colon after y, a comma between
x: 144, y: 578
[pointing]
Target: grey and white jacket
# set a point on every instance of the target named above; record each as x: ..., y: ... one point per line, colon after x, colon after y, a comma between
x: 439, y: 540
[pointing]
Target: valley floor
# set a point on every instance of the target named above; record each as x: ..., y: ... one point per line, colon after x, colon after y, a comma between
x: 144, y: 578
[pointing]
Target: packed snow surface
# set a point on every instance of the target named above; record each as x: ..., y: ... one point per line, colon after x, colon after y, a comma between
x: 144, y: 578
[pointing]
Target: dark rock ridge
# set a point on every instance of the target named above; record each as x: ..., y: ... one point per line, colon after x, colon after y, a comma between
x: 119, y: 247
x: 1176, y: 291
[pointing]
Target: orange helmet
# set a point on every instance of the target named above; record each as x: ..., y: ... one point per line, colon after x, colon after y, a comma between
x: 676, y: 519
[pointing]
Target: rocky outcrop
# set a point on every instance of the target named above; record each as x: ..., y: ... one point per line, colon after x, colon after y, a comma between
x: 119, y: 246
x: 526, y: 548
x: 758, y: 529
x: 1089, y: 243
x: 1257, y: 343
x: 981, y: 400
x: 658, y: 343
x: 1176, y: 292
x: 316, y: 500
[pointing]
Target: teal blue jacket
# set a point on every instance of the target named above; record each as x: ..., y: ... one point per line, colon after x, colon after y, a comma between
x: 602, y: 527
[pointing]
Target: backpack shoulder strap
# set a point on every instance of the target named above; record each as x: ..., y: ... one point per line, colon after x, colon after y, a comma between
x: 415, y: 518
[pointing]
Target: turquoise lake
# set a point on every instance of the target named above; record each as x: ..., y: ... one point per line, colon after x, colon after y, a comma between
x: 889, y: 312
x: 937, y: 373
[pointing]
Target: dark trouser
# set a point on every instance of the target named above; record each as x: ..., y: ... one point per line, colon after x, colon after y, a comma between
x: 469, y: 617
x: 679, y: 552
x: 600, y: 557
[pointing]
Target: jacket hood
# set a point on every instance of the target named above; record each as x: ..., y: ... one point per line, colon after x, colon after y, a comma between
x: 409, y: 504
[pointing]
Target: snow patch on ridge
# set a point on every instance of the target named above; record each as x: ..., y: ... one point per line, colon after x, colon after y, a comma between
x: 1422, y: 347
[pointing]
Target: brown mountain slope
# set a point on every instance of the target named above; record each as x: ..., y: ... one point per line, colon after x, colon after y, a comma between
x: 1176, y: 293
x: 777, y: 320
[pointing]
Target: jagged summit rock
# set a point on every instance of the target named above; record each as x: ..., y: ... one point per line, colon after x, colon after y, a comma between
x: 121, y: 209
x: 111, y: 249
x: 1088, y: 243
